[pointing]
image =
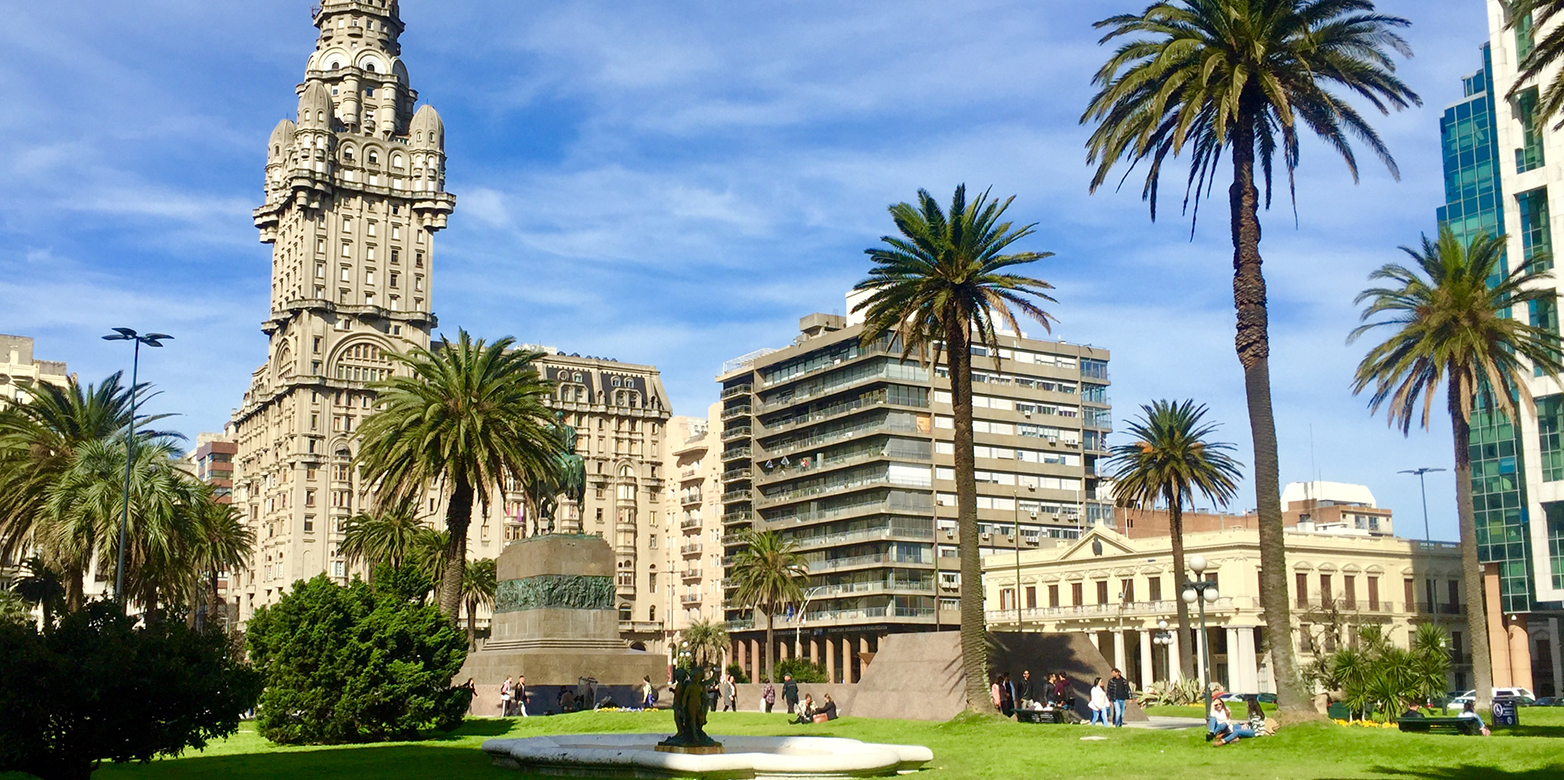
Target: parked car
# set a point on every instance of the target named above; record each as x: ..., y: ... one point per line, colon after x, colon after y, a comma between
x: 1517, y: 696
x: 1548, y: 701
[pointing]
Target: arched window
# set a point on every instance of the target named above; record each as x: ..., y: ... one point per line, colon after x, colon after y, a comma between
x: 374, y: 159
x: 369, y: 66
x: 626, y: 484
x: 335, y: 65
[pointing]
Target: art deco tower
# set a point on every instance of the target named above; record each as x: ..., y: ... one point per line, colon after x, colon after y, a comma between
x: 354, y: 195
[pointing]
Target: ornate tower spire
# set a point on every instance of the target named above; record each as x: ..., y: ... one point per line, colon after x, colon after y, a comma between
x: 354, y: 195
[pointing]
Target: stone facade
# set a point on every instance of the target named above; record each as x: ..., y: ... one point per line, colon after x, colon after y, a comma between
x: 354, y: 194
x: 20, y: 372
x: 695, y: 546
x: 1115, y: 589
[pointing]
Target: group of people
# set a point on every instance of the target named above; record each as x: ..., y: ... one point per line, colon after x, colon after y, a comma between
x: 1109, y: 699
x: 1010, y: 695
x: 809, y: 713
x: 768, y: 694
x: 513, y: 697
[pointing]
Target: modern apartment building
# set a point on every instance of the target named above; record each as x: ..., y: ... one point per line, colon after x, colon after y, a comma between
x: 695, y: 550
x: 20, y: 373
x: 1504, y: 165
x: 848, y: 450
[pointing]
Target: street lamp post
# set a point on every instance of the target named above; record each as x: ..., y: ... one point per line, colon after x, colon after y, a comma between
x: 1164, y: 637
x: 1198, y: 591
x: 151, y: 340
x: 798, y: 628
x: 1423, y: 488
x: 1016, y: 504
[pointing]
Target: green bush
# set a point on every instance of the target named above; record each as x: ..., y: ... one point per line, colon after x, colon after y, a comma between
x: 359, y: 663
x: 94, y: 688
x: 738, y: 674
x: 802, y: 671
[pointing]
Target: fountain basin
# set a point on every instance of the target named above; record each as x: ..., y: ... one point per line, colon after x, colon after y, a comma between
x: 636, y: 755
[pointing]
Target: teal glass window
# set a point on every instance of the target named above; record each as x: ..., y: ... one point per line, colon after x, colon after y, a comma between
x: 1545, y: 316
x: 1525, y: 40
x: 1536, y: 237
x: 1529, y: 156
x: 1550, y: 436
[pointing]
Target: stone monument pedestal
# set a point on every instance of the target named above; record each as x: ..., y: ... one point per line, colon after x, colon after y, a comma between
x: 556, y: 621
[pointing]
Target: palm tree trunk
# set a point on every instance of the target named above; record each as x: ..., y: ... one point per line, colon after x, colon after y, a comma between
x: 974, y: 635
x: 1186, y: 648
x: 75, y: 596
x: 216, y: 599
x: 472, y: 625
x: 770, y: 640
x: 1254, y: 349
x: 1471, y: 565
x: 458, y: 515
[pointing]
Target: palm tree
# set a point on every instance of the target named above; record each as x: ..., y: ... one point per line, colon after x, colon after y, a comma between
x: 1528, y: 16
x: 426, y: 554
x: 942, y: 285
x: 707, y: 641
x: 478, y: 586
x: 1239, y: 77
x: 83, y: 512
x: 223, y: 544
x: 41, y: 585
x: 466, y: 417
x: 39, y: 438
x: 1171, y: 459
x: 1447, y: 325
x: 767, y: 574
x: 386, y: 536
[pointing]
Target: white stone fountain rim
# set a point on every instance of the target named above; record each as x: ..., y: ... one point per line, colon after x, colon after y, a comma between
x: 634, y: 755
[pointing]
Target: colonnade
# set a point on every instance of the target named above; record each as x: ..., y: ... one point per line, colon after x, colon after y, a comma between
x: 837, y: 653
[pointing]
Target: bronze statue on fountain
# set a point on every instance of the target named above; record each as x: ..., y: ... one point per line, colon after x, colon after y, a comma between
x: 689, y: 713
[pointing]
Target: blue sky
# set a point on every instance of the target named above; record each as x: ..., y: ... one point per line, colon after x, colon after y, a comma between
x: 676, y: 183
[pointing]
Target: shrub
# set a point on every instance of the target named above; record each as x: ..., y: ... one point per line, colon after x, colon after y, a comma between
x: 802, y: 671
x: 94, y: 688
x: 1180, y: 693
x: 738, y: 674
x: 359, y: 663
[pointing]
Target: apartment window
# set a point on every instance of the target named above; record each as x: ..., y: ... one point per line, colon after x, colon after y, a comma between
x: 1154, y: 588
x: 315, y: 344
x: 309, y: 498
x: 1031, y: 597
x: 651, y: 582
x: 1454, y: 592
x: 1373, y: 593
x: 1410, y: 595
x: 394, y: 277
x: 1301, y: 584
x: 396, y: 230
x: 372, y: 225
x: 342, y: 297
x: 369, y: 253
x: 418, y: 259
x: 1127, y: 590
x: 347, y: 273
x: 1431, y: 591
x: 1325, y: 590
x: 369, y: 276
x: 1525, y: 39
x: 1544, y: 316
x: 418, y: 283
x: 320, y: 270
x: 1102, y: 592
x: 1349, y: 591
x: 320, y: 245
x: 347, y: 224
x: 309, y: 523
x: 1076, y: 596
x: 1529, y: 156
x: 314, y: 422
x: 1536, y: 236
x: 347, y: 249
x: 1053, y: 595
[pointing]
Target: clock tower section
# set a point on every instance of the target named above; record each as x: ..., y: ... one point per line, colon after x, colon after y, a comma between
x: 354, y: 195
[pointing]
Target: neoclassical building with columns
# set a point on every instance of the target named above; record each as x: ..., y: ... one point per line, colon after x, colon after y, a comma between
x: 1117, y: 588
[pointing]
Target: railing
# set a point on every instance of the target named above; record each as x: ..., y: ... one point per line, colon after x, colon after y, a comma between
x: 735, y: 453
x: 735, y: 474
x: 867, y: 612
x: 690, y: 574
x: 690, y: 598
x: 861, y: 536
x: 740, y: 432
x: 852, y: 509
x: 735, y: 495
x: 858, y: 560
x: 736, y: 390
x: 690, y: 549
x: 882, y: 426
x: 1133, y: 608
x: 731, y: 412
x: 690, y: 523
x: 872, y: 587
x: 741, y: 516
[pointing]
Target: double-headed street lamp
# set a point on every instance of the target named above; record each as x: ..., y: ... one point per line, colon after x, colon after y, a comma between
x: 151, y: 340
x: 1198, y: 591
x: 1164, y: 637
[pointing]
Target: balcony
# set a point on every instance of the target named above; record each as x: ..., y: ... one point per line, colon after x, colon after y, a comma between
x: 690, y: 549
x: 739, y: 432
x: 733, y: 412
x: 690, y: 598
x: 693, y: 522
x: 690, y: 574
x: 736, y: 453
x: 733, y: 475
x: 1106, y: 611
x: 833, y: 564
x: 741, y: 516
x: 736, y: 390
x: 733, y: 496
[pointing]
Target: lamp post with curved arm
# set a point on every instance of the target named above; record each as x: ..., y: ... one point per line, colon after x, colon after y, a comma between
x: 151, y: 340
x: 1198, y: 591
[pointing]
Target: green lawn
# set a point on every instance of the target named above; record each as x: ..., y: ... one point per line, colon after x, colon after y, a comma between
x: 961, y: 750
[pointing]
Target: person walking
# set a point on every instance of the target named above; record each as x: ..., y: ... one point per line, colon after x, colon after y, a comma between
x: 505, y: 696
x: 519, y: 693
x: 993, y: 690
x: 730, y: 694
x: 1099, y: 704
x: 1007, y: 702
x: 790, y: 693
x: 768, y: 695
x: 648, y: 693
x: 1118, y: 695
x: 1063, y: 697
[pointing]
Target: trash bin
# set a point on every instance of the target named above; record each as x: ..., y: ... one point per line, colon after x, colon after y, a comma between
x: 1506, y: 713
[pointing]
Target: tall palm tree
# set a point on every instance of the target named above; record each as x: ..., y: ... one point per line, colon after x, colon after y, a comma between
x: 707, y: 641
x: 426, y: 555
x: 943, y: 285
x: 478, y: 587
x: 386, y: 536
x: 1239, y: 77
x: 768, y: 573
x: 39, y: 438
x: 466, y: 417
x: 223, y: 544
x: 1170, y: 459
x: 1444, y: 324
x: 1528, y: 16
x: 83, y: 512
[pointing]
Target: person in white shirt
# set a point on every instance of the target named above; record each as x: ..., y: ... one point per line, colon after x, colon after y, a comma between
x: 1099, y: 703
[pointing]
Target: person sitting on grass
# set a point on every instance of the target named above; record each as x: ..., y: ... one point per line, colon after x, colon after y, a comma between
x: 806, y: 710
x: 1226, y: 729
x: 1469, y: 712
x: 829, y: 708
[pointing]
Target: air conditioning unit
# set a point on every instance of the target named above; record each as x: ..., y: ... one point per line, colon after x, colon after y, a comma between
x: 950, y: 533
x: 987, y: 536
